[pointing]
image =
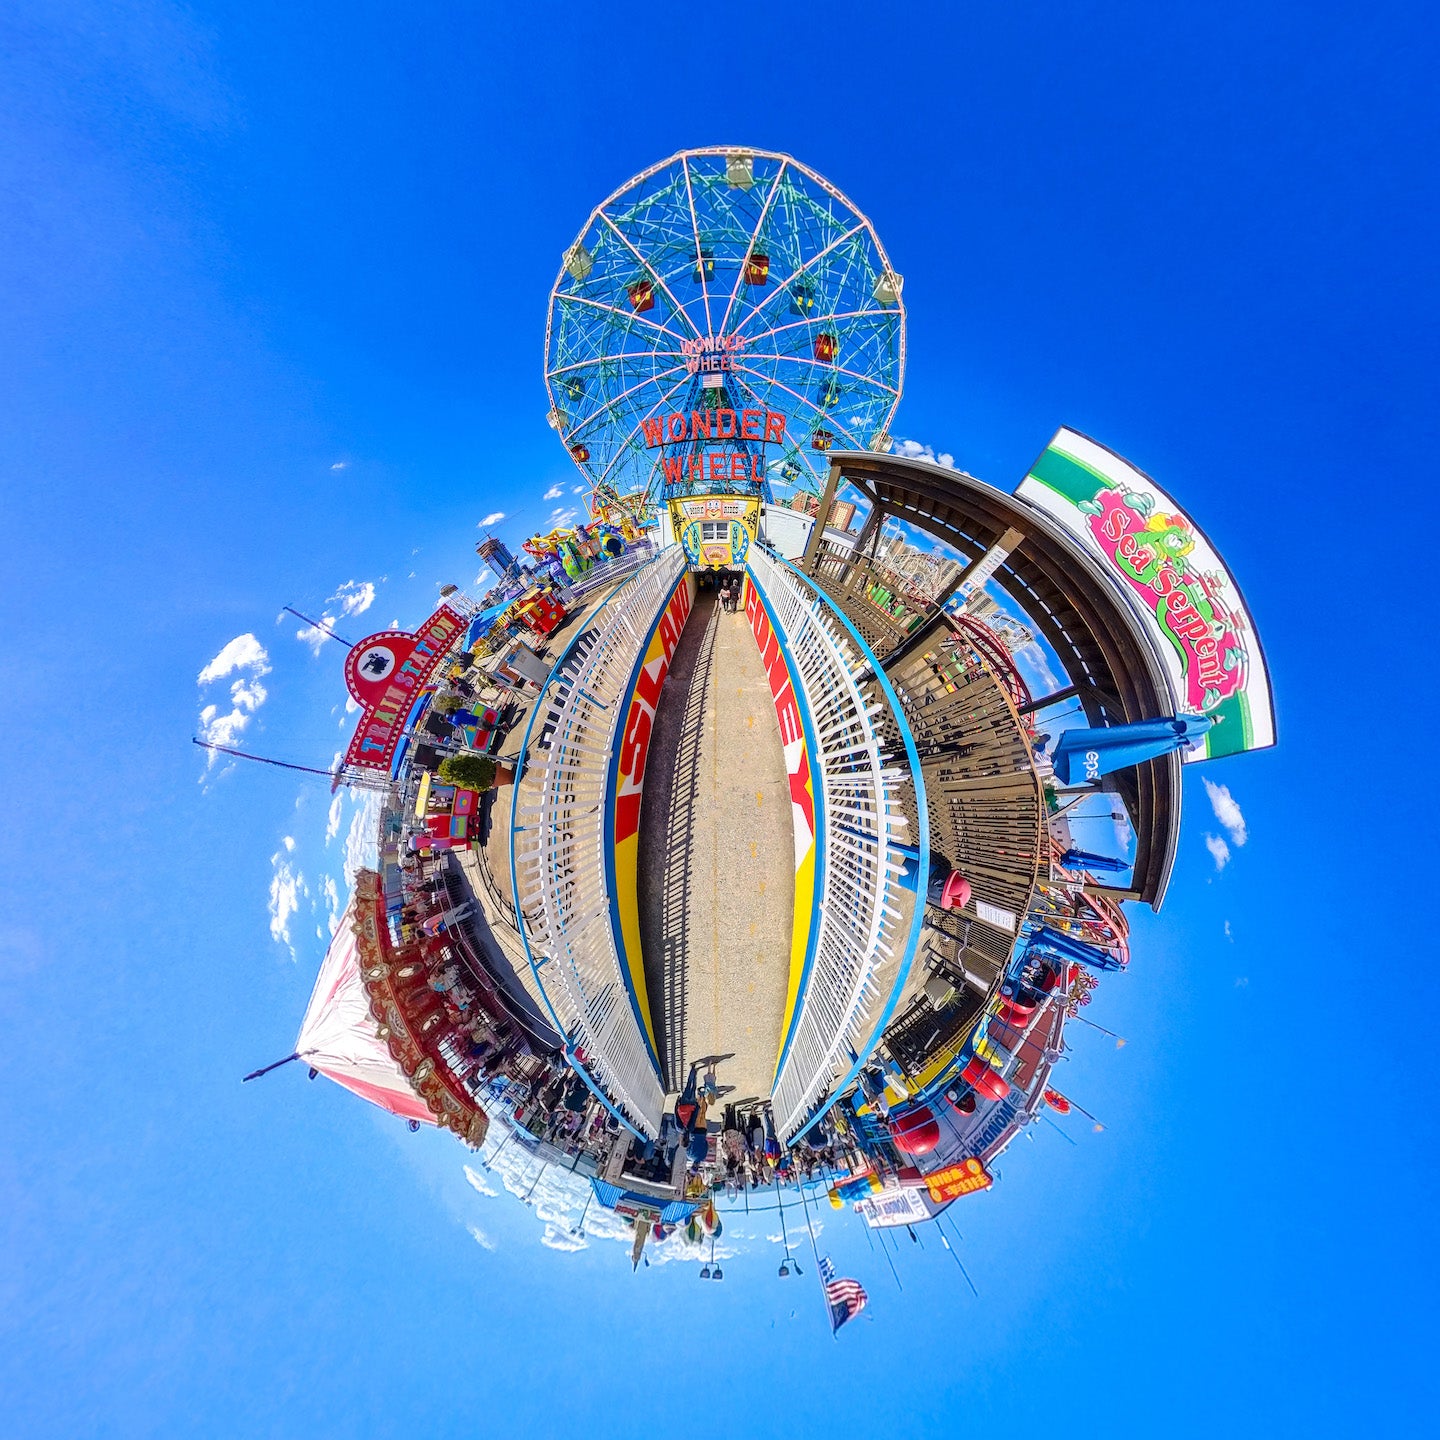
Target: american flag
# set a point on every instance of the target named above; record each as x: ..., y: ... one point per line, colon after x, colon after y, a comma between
x: 844, y: 1298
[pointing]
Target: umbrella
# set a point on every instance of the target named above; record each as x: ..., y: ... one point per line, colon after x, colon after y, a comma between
x: 1082, y: 755
x: 1071, y: 949
x: 1084, y: 860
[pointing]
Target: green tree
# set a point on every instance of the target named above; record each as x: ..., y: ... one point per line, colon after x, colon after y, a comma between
x: 447, y: 704
x: 468, y: 771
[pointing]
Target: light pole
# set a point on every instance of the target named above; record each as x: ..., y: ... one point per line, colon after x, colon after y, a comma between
x: 786, y: 1263
x: 579, y: 1227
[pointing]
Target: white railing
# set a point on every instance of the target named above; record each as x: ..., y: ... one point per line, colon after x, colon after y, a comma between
x: 860, y: 827
x: 559, y: 841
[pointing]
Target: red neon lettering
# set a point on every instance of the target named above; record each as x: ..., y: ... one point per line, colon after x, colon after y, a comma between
x: 721, y: 416
x: 654, y: 433
x: 700, y: 424
x: 750, y: 424
x: 715, y: 464
x: 674, y: 470
x: 774, y: 428
x: 675, y: 427
x: 737, y: 467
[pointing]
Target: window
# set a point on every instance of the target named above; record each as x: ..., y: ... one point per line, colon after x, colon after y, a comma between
x: 714, y: 530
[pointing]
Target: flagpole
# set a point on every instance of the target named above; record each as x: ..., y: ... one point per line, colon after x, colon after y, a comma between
x: 1055, y: 1127
x: 955, y: 1256
x: 886, y: 1251
x: 819, y: 1270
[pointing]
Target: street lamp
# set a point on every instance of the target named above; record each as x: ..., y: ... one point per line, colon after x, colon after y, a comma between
x: 789, y: 1259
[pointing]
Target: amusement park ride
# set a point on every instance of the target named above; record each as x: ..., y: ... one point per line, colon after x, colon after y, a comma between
x: 719, y: 855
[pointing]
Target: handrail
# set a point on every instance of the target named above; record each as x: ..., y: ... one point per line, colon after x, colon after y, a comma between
x: 558, y: 845
x: 861, y: 899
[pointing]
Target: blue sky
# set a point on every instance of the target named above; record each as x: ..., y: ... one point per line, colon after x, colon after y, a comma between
x: 244, y: 245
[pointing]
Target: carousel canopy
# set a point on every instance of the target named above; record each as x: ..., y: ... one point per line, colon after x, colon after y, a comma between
x: 337, y: 1036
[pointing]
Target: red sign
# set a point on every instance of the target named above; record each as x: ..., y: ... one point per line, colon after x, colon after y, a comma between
x: 956, y: 1180
x: 635, y: 742
x: 385, y: 673
x: 765, y: 426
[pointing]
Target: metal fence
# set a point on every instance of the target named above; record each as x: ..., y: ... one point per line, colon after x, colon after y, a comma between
x: 640, y: 553
x: 558, y: 843
x: 867, y: 921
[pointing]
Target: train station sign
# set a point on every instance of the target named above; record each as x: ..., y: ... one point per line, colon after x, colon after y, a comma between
x: 385, y: 674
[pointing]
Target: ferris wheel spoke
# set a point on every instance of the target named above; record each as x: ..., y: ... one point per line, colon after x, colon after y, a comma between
x: 699, y: 256
x: 658, y: 277
x: 624, y: 394
x: 808, y: 405
x: 624, y: 445
x: 878, y: 312
x: 570, y: 365
x: 824, y: 368
x: 795, y: 275
x: 629, y: 316
x: 750, y: 248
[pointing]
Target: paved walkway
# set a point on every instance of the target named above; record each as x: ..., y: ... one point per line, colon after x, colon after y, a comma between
x: 717, y: 858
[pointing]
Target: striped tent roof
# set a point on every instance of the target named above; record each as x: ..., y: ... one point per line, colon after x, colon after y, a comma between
x: 338, y: 1034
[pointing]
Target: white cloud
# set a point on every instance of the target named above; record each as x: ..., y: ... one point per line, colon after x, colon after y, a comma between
x: 352, y: 706
x: 1229, y: 935
x: 1219, y: 851
x: 553, y: 493
x: 555, y: 1238
x: 361, y: 840
x: 331, y: 892
x: 218, y: 729
x: 355, y: 597
x: 493, y: 518
x: 480, y: 1183
x: 480, y: 1237
x: 289, y: 843
x: 914, y: 450
x: 562, y: 516
x: 316, y: 638
x: 338, y: 465
x: 1033, y: 656
x: 287, y: 888
x: 579, y: 489
x: 248, y: 695
x: 244, y: 652
x: 1227, y: 811
x: 332, y: 820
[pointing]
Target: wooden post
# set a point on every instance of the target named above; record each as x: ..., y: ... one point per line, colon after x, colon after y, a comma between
x: 822, y: 515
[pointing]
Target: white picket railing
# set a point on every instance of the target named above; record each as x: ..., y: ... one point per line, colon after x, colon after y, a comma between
x: 861, y: 901
x: 558, y: 843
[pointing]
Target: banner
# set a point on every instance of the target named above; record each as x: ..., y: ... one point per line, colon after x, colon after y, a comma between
x: 898, y: 1206
x: 627, y: 783
x: 1173, y: 578
x: 385, y: 673
x: 793, y: 716
x: 955, y: 1180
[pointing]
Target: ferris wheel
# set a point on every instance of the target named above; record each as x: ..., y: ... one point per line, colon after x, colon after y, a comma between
x: 729, y: 282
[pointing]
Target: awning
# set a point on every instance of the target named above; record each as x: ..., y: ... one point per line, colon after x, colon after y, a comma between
x: 338, y: 1035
